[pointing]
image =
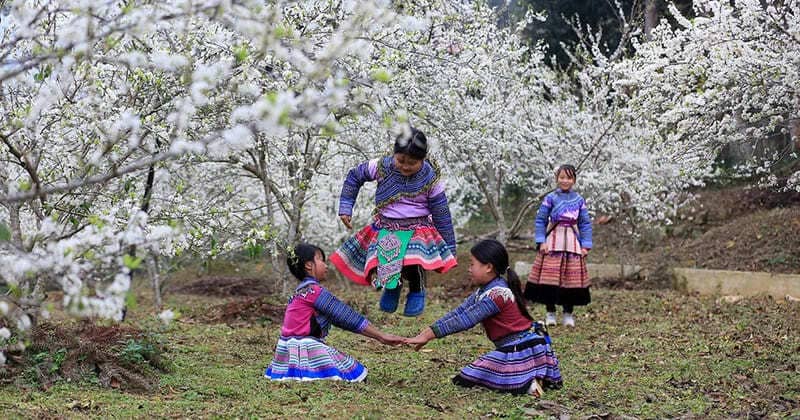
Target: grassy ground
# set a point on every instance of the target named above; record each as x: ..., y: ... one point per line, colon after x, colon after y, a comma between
x: 642, y: 353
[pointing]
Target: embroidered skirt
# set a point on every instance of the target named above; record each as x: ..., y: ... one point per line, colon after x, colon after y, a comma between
x: 358, y: 255
x: 308, y: 359
x: 559, y: 278
x: 513, y: 366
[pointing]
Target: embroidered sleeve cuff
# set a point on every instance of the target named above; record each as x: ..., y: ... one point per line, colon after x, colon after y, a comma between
x: 363, y: 326
x: 436, y: 331
x: 345, y: 208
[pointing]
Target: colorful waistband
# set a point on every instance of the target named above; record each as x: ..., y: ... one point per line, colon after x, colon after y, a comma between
x: 382, y: 222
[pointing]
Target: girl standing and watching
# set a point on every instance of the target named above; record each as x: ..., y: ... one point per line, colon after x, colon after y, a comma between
x: 563, y: 238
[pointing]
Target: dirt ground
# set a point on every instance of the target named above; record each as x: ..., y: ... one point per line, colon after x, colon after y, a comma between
x: 223, y: 286
x: 731, y: 228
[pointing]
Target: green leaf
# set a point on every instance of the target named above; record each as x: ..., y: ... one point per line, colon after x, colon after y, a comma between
x: 131, y: 262
x: 95, y: 220
x: 283, y: 118
x: 381, y: 75
x: 240, y: 53
x: 130, y: 301
x: 5, y: 234
x: 328, y: 130
x: 282, y: 31
x: 128, y: 7
x: 255, y: 251
x: 14, y: 290
x: 44, y: 73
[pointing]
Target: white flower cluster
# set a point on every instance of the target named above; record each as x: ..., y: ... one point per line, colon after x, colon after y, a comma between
x: 210, y: 127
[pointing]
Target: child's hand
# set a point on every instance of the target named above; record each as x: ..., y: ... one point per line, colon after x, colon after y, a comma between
x: 585, y: 251
x: 421, y: 339
x: 544, y: 248
x: 346, y: 220
x: 391, y: 339
x: 417, y: 342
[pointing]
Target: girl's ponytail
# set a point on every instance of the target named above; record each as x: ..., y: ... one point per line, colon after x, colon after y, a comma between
x: 516, y: 288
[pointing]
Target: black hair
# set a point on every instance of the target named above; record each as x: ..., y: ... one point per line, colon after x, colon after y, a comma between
x: 569, y: 170
x: 414, y: 144
x: 301, y: 254
x: 490, y: 251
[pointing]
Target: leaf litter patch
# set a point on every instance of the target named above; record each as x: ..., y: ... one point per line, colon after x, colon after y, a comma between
x: 245, y: 312
x: 113, y: 356
x: 220, y: 286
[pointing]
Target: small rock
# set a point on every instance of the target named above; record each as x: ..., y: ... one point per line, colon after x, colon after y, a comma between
x: 730, y: 299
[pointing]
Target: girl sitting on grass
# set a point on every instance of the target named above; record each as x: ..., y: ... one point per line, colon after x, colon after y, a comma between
x: 522, y: 361
x: 301, y: 353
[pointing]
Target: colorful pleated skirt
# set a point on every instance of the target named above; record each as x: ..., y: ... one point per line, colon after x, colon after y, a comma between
x: 559, y: 278
x: 358, y: 255
x: 513, y: 366
x: 309, y: 359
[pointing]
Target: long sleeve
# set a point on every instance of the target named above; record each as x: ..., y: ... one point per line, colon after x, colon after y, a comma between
x: 440, y: 212
x: 542, y: 217
x: 585, y: 227
x: 356, y: 177
x: 339, y: 313
x: 466, y: 316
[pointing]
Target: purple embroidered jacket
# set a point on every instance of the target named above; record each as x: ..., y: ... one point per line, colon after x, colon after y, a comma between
x: 418, y: 195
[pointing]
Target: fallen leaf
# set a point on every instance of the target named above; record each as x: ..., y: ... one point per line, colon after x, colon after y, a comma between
x: 730, y: 299
x: 601, y: 220
x: 533, y: 412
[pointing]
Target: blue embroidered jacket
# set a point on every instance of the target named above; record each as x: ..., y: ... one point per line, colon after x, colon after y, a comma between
x: 416, y: 195
x: 566, y: 207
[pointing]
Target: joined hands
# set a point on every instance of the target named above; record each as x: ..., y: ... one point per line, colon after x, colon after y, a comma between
x: 418, y: 342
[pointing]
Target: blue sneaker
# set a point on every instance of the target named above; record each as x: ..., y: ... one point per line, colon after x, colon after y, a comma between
x: 389, y: 299
x: 415, y: 303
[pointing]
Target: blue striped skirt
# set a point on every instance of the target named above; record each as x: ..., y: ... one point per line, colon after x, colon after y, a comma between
x: 513, y: 366
x: 309, y: 359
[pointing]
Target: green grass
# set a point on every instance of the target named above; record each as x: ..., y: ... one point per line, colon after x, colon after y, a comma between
x: 649, y: 354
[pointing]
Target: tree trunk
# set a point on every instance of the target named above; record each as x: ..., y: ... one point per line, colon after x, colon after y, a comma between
x: 155, y: 280
x: 794, y: 127
x: 16, y: 229
x: 490, y: 192
x: 650, y: 16
x: 502, y: 233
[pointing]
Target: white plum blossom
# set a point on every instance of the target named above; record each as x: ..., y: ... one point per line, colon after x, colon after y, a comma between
x: 166, y: 316
x: 177, y: 127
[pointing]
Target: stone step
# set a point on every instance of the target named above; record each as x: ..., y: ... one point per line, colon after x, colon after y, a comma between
x: 716, y: 282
